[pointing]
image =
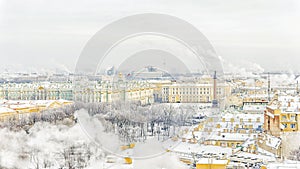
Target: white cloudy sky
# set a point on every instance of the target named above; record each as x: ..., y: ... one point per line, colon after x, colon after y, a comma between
x: 35, y: 33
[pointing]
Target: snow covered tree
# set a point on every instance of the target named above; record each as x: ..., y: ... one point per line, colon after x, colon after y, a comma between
x: 295, y: 155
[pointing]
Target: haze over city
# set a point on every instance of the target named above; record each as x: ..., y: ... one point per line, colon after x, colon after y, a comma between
x: 50, y: 35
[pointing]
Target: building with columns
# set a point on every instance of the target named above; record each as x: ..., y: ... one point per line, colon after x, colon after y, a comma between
x: 194, y: 92
x: 36, y: 91
x: 94, y: 91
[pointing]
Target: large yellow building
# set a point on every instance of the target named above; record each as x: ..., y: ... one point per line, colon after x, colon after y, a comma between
x: 17, y: 109
x: 211, y: 163
x: 6, y: 113
x: 282, y: 115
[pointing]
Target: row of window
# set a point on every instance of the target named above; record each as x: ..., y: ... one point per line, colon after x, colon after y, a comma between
x: 188, y: 89
x: 293, y: 126
x: 285, y: 117
x: 190, y: 93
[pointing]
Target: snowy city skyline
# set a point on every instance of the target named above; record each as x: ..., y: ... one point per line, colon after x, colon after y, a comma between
x: 149, y: 84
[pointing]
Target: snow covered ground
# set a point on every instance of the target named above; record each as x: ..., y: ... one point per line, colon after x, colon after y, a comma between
x: 57, y: 145
x: 90, y: 144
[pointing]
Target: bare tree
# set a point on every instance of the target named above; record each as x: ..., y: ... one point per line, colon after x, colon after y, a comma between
x: 295, y: 155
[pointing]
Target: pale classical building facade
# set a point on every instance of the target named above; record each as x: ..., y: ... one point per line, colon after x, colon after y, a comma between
x: 194, y: 92
x: 93, y: 92
x: 36, y: 91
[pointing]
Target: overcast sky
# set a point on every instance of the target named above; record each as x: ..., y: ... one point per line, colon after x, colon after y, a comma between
x: 40, y: 33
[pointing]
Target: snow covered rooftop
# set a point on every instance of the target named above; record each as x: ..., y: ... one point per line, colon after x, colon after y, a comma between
x: 6, y: 110
x: 286, y: 103
x: 272, y: 141
x: 231, y: 136
x: 243, y: 116
x: 201, y: 149
x: 258, y: 156
x: 212, y: 161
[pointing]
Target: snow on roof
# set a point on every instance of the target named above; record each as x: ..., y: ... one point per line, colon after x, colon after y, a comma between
x: 259, y: 95
x: 20, y: 106
x: 3, y: 101
x: 243, y: 116
x: 158, y: 81
x: 254, y: 107
x: 45, y: 103
x: 64, y: 100
x: 273, y: 107
x: 14, y: 102
x: 270, y: 114
x: 193, y: 85
x: 265, y: 152
x: 286, y: 103
x: 258, y: 156
x: 284, y: 165
x: 238, y: 124
x: 272, y: 141
x: 211, y: 161
x: 6, y: 110
x: 184, y: 147
x: 231, y: 136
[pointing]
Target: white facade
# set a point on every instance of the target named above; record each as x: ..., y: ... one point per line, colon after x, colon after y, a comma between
x: 193, y: 92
